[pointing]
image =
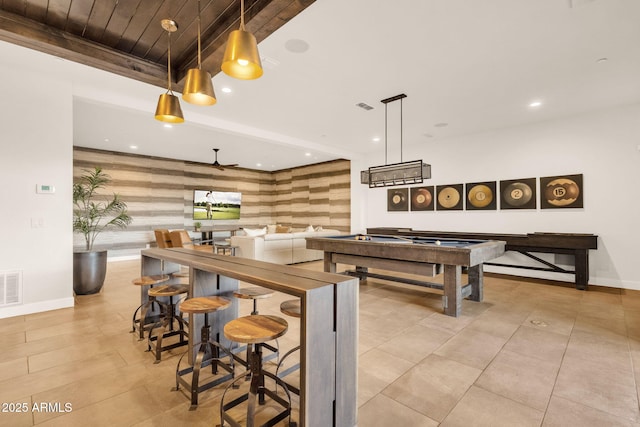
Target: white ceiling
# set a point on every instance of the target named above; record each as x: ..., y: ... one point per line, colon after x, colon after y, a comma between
x: 474, y: 65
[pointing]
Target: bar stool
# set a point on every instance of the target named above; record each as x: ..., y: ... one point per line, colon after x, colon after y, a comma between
x: 167, y: 320
x: 141, y: 324
x: 254, y: 331
x: 204, y: 305
x: 255, y: 293
x: 290, y: 308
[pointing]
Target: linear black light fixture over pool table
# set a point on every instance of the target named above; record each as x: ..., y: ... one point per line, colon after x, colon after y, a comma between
x: 412, y: 172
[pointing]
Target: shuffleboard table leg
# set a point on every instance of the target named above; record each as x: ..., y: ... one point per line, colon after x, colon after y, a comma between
x: 452, y: 290
x: 476, y: 280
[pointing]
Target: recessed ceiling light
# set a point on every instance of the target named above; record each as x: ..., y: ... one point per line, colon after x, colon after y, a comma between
x: 602, y: 60
x: 106, y: 140
x: 307, y: 154
x: 376, y: 139
x: 168, y: 126
x: 133, y: 147
x: 226, y: 89
x: 535, y: 104
x: 258, y: 164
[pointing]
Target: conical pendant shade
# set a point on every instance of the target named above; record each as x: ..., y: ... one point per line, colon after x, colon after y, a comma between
x: 168, y: 109
x: 241, y: 59
x: 198, y: 88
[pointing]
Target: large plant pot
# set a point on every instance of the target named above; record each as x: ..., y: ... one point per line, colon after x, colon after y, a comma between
x: 89, y: 271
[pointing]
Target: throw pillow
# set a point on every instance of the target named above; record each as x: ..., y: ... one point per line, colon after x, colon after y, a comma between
x: 255, y: 232
x: 319, y: 228
x: 282, y: 229
x: 271, y: 228
x: 309, y: 228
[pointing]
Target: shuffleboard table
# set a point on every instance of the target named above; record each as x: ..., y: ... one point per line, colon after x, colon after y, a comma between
x: 423, y: 256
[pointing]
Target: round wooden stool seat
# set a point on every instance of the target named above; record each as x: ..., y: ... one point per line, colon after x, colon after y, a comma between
x: 291, y: 308
x: 204, y: 305
x: 168, y: 290
x: 255, y: 292
x: 150, y: 280
x: 256, y: 328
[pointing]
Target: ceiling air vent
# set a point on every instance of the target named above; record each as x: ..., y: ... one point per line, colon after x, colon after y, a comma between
x: 10, y: 287
x: 364, y: 106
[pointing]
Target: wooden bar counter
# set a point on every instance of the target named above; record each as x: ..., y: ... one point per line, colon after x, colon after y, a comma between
x: 328, y: 325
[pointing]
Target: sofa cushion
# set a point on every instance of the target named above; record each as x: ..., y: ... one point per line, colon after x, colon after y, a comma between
x: 278, y: 236
x: 255, y: 232
x: 282, y: 229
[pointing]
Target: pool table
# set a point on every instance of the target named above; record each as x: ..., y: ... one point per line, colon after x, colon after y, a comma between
x: 423, y: 256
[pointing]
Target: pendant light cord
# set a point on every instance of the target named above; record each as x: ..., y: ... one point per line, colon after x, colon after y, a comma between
x: 169, y: 64
x: 199, y: 48
x: 242, y: 15
x: 385, y: 134
x: 400, y: 130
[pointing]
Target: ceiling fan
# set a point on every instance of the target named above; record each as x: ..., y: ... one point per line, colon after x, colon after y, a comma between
x: 218, y: 165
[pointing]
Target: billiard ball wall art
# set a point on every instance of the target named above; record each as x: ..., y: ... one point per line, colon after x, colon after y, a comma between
x: 561, y: 191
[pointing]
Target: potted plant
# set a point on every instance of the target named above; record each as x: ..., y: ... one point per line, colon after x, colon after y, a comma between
x: 92, y: 214
x: 197, y: 225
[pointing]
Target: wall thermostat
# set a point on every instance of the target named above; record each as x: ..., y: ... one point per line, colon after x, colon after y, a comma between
x: 45, y: 189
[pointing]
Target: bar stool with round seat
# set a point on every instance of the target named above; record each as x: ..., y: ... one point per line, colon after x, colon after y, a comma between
x: 165, y: 325
x: 255, y: 293
x: 290, y: 308
x: 255, y: 331
x: 204, y: 305
x: 143, y: 323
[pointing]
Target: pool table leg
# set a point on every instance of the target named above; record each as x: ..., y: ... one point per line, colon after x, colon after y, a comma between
x: 476, y: 278
x: 329, y: 265
x: 452, y: 290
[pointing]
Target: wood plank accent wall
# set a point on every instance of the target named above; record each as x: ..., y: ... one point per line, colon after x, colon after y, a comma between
x: 159, y: 194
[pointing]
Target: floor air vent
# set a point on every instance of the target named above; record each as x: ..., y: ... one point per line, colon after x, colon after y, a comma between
x: 10, y: 287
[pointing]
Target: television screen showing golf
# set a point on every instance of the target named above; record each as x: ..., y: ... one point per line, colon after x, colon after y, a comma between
x: 215, y: 205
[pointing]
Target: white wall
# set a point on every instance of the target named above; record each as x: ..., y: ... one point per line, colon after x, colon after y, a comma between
x: 603, y: 146
x: 36, y: 141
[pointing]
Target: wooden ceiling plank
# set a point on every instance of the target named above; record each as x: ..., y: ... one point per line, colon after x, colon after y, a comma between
x: 138, y: 25
x: 78, y: 16
x: 36, y: 9
x: 14, y: 6
x: 99, y: 19
x: 119, y: 22
x: 24, y: 32
x: 152, y: 44
x: 58, y: 13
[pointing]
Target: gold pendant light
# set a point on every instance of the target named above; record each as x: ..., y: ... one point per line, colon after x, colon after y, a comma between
x: 241, y: 58
x: 168, y: 109
x: 198, y: 87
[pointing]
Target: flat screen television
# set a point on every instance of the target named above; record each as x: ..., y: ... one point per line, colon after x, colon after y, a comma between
x: 216, y: 205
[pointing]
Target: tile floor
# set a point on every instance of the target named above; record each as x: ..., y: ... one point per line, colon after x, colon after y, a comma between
x: 531, y: 354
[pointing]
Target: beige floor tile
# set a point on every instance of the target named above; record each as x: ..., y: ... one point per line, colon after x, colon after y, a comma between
x: 480, y: 408
x: 525, y: 379
x: 415, y: 343
x: 598, y: 386
x: 493, y: 323
x: 551, y: 320
x: 538, y: 342
x: 383, y: 365
x: 472, y: 348
x: 607, y: 352
x: 434, y: 386
x: 562, y: 412
x: 382, y: 411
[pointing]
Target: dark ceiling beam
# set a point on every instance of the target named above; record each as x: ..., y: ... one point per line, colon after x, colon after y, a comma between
x: 27, y: 33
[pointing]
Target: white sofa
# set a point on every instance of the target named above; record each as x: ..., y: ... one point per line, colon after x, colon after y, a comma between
x: 279, y: 248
